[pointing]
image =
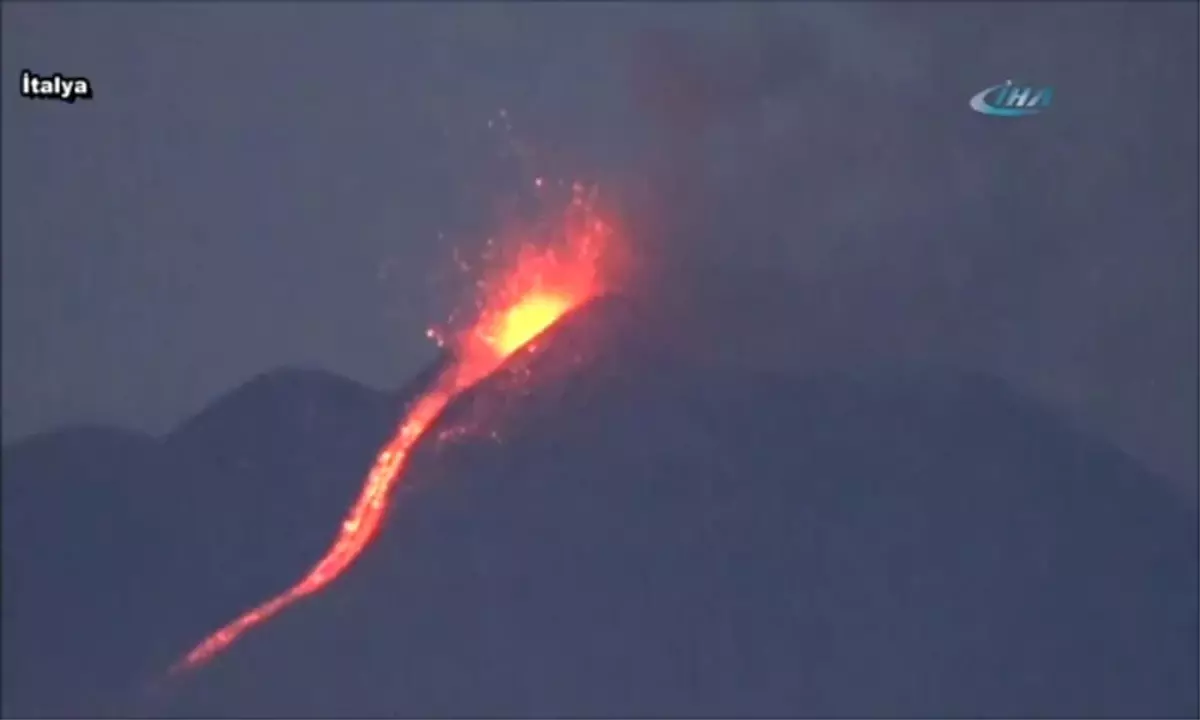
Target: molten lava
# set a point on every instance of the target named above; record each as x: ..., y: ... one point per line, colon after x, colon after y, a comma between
x: 517, y: 304
x: 528, y: 319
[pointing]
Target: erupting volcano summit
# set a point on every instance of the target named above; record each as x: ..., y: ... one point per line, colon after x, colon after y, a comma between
x: 517, y: 303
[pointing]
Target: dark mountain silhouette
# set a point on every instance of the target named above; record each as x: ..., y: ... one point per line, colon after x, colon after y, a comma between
x: 121, y: 550
x: 85, y: 520
x: 644, y: 538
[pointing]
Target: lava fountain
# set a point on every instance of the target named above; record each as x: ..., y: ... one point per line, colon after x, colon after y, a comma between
x: 516, y: 302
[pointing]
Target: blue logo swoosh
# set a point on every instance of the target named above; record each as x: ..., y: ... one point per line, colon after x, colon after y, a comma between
x: 980, y: 104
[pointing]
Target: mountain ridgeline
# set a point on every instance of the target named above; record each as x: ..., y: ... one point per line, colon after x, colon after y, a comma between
x: 609, y: 527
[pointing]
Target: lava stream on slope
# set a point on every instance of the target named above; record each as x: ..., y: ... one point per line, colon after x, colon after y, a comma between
x: 516, y: 305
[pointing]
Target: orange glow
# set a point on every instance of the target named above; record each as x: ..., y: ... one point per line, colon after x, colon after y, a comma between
x: 529, y: 318
x: 517, y: 303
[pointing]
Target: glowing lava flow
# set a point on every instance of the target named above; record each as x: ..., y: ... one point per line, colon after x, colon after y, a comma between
x: 517, y: 305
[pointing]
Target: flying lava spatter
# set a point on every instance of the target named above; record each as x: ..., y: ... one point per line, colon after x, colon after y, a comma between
x: 516, y: 304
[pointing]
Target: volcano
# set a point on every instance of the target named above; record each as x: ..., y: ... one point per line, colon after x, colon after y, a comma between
x: 606, y: 526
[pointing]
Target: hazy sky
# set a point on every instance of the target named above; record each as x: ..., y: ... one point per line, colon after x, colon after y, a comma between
x: 257, y: 185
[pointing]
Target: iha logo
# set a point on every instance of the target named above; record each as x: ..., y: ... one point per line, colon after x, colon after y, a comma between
x: 1010, y: 100
x: 55, y: 87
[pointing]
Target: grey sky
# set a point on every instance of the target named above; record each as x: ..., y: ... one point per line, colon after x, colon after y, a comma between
x: 254, y: 185
x: 264, y: 184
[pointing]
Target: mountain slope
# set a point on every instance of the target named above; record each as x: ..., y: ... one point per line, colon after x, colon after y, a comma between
x: 120, y: 550
x: 66, y: 495
x: 647, y: 538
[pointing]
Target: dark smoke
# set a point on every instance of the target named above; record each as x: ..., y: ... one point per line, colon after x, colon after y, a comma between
x: 820, y: 192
